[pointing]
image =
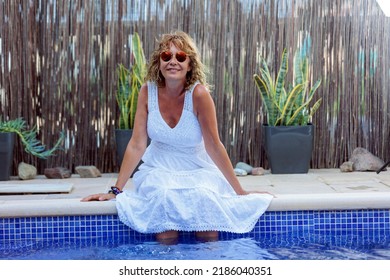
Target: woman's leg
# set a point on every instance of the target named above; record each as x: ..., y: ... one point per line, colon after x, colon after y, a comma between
x: 207, y: 236
x: 169, y: 237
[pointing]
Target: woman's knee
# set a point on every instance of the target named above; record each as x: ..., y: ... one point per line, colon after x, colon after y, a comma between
x: 167, y: 237
x: 207, y: 235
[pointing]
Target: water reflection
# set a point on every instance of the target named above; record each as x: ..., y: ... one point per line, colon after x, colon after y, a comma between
x: 279, y: 247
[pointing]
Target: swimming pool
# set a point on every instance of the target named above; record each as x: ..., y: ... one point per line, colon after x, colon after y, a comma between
x: 298, y: 235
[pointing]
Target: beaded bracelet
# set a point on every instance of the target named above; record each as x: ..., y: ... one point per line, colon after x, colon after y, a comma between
x: 114, y: 190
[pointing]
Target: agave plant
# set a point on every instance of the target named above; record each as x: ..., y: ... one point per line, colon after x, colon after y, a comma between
x: 28, y: 138
x: 291, y: 107
x: 129, y: 85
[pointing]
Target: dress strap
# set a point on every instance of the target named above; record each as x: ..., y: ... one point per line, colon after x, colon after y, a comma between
x: 152, y: 96
x: 188, y: 104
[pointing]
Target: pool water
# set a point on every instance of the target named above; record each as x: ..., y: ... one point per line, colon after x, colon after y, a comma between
x: 269, y: 247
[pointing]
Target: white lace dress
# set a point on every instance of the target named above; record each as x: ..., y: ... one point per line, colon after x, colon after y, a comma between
x: 178, y: 187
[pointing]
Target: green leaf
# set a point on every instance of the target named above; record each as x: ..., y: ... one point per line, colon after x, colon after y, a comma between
x: 129, y: 85
x: 281, y: 76
x: 289, y: 105
x: 28, y: 138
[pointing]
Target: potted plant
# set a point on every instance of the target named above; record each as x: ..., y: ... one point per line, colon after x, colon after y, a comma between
x: 128, y: 87
x: 288, y: 134
x: 18, y: 127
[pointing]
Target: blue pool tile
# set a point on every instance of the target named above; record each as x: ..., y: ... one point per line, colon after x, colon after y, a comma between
x: 92, y: 227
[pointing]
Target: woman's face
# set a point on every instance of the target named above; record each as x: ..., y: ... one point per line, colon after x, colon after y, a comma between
x: 174, y: 64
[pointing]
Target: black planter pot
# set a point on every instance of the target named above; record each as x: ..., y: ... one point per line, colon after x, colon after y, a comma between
x: 6, y: 154
x: 289, y: 148
x: 122, y: 138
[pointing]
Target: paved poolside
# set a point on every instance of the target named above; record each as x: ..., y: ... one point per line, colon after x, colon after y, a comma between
x: 319, y: 189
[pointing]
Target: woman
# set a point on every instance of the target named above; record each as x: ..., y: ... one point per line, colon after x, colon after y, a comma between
x: 186, y: 181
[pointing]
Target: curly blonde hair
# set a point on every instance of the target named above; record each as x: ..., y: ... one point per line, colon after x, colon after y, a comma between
x: 184, y: 42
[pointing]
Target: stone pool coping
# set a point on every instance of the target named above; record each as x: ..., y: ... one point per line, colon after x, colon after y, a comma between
x: 320, y: 189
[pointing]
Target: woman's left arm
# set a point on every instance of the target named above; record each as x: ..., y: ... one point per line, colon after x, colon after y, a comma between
x: 204, y: 109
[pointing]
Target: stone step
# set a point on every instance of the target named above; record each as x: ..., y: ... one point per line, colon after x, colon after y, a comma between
x: 28, y: 188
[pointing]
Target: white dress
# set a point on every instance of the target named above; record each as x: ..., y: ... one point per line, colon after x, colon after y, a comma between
x: 178, y: 187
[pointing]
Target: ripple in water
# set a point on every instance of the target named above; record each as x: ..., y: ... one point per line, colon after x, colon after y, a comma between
x: 278, y: 247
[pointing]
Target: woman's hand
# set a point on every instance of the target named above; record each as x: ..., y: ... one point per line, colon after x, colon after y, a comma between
x: 99, y: 197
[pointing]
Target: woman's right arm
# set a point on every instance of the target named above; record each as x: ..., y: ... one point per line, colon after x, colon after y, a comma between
x: 135, y: 148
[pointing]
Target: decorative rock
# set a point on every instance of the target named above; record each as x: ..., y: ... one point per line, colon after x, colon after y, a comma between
x: 258, y: 171
x: 244, y: 166
x: 346, y: 166
x: 363, y: 160
x: 88, y: 171
x: 240, y: 172
x: 26, y: 171
x: 57, y: 173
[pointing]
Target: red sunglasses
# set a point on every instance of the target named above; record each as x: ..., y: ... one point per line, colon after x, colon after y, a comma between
x: 167, y: 56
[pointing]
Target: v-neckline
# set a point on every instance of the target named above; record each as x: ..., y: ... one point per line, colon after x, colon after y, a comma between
x: 181, y: 115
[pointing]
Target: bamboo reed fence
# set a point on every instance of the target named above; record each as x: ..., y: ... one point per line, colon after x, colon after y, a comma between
x: 58, y: 64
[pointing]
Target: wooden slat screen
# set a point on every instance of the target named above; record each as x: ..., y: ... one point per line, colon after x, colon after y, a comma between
x: 58, y: 64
